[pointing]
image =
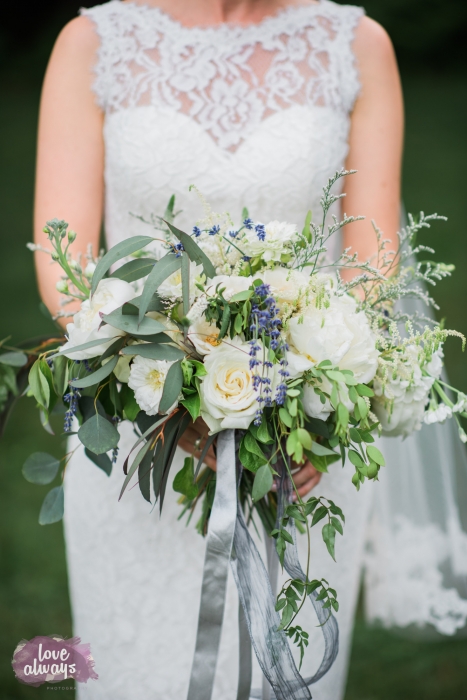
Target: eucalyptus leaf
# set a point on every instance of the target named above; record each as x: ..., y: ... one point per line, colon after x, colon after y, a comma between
x: 172, y: 387
x: 98, y: 435
x: 96, y: 377
x: 102, y: 461
x: 154, y: 351
x: 185, y: 283
x: 193, y: 250
x: 144, y: 476
x: 130, y: 325
x: 83, y: 346
x: 14, y: 359
x: 165, y: 267
x: 40, y: 468
x: 52, y: 507
x: 119, y: 251
x: 134, y: 269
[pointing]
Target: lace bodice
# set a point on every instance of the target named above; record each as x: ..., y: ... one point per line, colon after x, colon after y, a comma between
x: 227, y: 78
x: 254, y: 116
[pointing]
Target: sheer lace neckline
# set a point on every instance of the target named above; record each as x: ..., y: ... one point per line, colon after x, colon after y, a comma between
x: 283, y: 21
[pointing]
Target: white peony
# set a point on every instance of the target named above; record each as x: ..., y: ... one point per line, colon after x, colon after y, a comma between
x: 277, y: 241
x: 232, y: 284
x: 228, y: 399
x: 147, y: 379
x: 171, y: 288
x: 336, y: 333
x: 400, y: 403
x: 110, y: 295
x: 287, y: 286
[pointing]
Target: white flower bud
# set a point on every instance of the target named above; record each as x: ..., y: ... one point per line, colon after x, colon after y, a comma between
x: 71, y: 236
x: 89, y: 270
x: 62, y: 286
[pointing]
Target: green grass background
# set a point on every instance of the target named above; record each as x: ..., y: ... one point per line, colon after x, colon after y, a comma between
x: 33, y: 584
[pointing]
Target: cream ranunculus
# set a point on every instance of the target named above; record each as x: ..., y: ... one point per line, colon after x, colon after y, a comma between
x: 109, y: 295
x: 147, y: 379
x: 273, y: 245
x: 336, y: 333
x: 228, y: 398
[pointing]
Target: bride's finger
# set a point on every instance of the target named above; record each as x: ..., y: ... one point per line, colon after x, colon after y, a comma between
x: 306, y: 473
x: 308, y: 486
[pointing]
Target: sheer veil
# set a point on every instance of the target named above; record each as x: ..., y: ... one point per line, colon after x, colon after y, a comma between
x: 416, y: 558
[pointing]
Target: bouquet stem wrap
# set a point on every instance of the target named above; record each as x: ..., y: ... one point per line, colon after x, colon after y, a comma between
x: 229, y: 540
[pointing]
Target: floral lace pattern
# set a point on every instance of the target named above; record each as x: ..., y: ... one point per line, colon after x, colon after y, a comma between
x: 228, y: 78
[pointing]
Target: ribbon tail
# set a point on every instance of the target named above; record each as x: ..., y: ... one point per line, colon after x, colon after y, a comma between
x: 215, y: 573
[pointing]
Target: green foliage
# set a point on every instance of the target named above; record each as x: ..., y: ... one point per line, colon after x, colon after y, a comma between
x: 52, y: 507
x: 184, y: 481
x: 40, y: 468
x: 98, y: 434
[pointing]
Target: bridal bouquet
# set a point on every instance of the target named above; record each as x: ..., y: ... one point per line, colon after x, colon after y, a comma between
x: 251, y: 328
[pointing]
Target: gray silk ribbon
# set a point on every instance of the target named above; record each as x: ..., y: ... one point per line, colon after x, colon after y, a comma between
x: 230, y: 539
x: 216, y: 569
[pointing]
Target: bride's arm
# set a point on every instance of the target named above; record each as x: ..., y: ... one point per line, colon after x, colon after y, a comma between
x: 376, y: 141
x: 70, y: 156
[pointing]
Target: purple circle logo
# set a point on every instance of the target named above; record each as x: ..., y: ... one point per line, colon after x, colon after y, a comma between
x: 52, y: 659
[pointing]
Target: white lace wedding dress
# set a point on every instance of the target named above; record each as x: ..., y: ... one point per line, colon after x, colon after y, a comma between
x: 255, y: 116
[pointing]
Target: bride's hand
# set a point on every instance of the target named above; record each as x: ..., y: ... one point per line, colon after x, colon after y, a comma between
x: 305, y: 476
x: 193, y: 441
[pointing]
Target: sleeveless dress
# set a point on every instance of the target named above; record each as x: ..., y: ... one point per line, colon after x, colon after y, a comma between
x: 254, y: 116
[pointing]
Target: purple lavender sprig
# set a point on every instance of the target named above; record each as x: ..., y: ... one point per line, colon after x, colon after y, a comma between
x: 71, y: 398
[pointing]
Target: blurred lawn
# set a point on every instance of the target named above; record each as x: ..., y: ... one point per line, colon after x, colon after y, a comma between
x: 33, y: 587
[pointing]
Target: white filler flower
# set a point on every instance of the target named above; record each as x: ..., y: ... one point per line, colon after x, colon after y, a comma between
x: 228, y: 399
x: 400, y: 402
x: 336, y: 333
x: 273, y: 245
x: 109, y: 295
x: 147, y: 379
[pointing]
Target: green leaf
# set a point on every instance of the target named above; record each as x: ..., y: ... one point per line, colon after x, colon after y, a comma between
x: 172, y: 387
x: 321, y: 450
x: 144, y: 476
x: 184, y: 481
x: 242, y: 296
x: 193, y: 250
x: 130, y: 325
x: 364, y: 390
x: 362, y: 407
x: 337, y: 525
x: 14, y: 359
x: 165, y: 267
x: 343, y: 414
x: 353, y: 394
x: 355, y: 435
x: 249, y: 460
x: 193, y: 405
x: 262, y: 483
x: 375, y: 455
x: 40, y: 468
x: 52, y: 507
x: 319, y: 514
x: 130, y: 407
x: 98, y: 435
x: 185, y: 283
x: 155, y: 304
x: 281, y: 603
x: 117, y: 252
x: 102, y: 461
x: 154, y: 351
x: 253, y: 447
x: 96, y: 377
x: 329, y: 537
x: 135, y: 269
x: 39, y: 385
x: 304, y: 438
x: 306, y: 232
x: 285, y: 417
x: 356, y: 459
x: 263, y: 432
x: 61, y: 374
x: 83, y: 346
x: 336, y: 376
x: 225, y: 321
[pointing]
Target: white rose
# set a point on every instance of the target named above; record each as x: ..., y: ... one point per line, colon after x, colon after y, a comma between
x: 110, y: 295
x: 336, y: 333
x: 287, y: 286
x: 275, y: 243
x: 228, y: 399
x: 147, y: 379
x: 171, y: 288
x: 232, y: 284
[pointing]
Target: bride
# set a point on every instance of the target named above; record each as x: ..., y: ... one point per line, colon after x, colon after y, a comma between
x: 258, y: 103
